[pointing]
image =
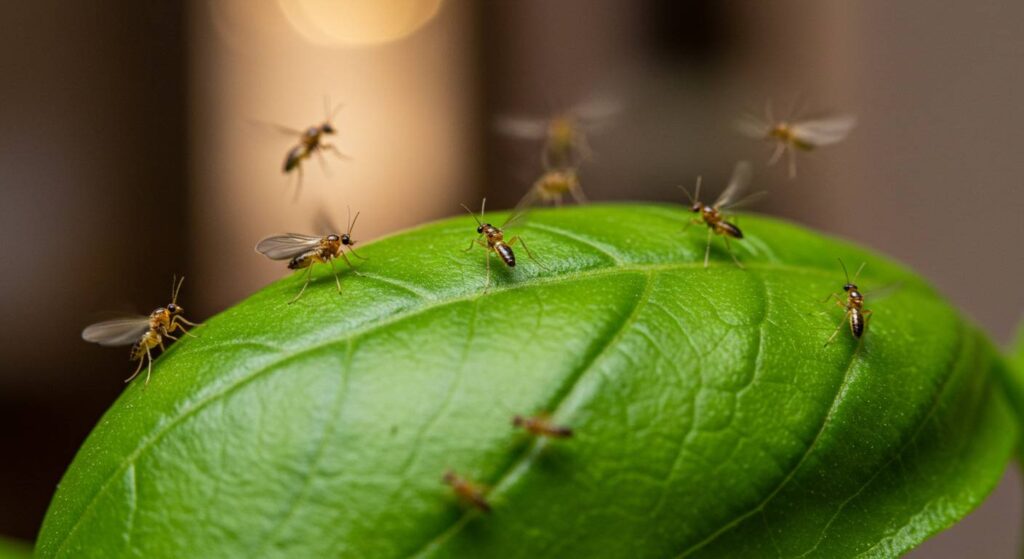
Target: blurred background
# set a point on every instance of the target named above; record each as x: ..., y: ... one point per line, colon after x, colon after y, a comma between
x: 134, y: 144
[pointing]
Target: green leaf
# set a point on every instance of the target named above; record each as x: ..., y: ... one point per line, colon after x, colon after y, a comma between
x: 710, y: 419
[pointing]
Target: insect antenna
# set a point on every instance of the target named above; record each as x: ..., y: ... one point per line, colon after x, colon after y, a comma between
x: 857, y: 275
x: 845, y: 272
x: 176, y: 287
x: 470, y: 212
x: 351, y: 225
x: 330, y: 113
x: 694, y: 198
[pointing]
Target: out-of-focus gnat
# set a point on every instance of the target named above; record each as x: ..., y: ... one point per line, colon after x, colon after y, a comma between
x: 566, y: 147
x: 144, y: 333
x: 311, y: 141
x: 541, y: 425
x: 467, y: 491
x: 793, y: 132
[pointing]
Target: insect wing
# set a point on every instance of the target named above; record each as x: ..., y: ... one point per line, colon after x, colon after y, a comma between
x: 528, y: 128
x: 752, y: 126
x: 120, y: 331
x: 596, y: 113
x: 823, y: 131
x: 527, y: 201
x: 516, y: 218
x: 324, y: 224
x: 741, y: 176
x: 284, y: 247
x: 287, y: 130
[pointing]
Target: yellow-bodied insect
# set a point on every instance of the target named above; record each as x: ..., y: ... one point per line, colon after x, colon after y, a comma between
x: 793, y: 133
x: 541, y: 425
x: 713, y: 216
x: 564, y: 134
x: 303, y: 251
x: 492, y: 239
x: 467, y: 491
x: 853, y: 305
x: 312, y: 140
x: 551, y: 187
x: 145, y: 333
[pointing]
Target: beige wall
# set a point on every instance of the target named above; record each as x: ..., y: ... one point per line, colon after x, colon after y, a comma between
x: 408, y: 123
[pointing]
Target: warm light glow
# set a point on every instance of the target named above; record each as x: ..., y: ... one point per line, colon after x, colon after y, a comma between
x: 357, y: 22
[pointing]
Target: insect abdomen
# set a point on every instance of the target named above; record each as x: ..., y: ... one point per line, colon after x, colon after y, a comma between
x: 506, y: 254
x: 856, y: 322
x: 730, y: 229
x: 293, y: 158
x: 300, y: 261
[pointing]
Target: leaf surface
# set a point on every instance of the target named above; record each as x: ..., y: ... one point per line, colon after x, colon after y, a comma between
x: 710, y: 419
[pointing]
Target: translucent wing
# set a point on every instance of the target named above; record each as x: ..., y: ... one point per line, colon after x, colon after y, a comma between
x: 529, y: 128
x: 278, y: 127
x: 883, y: 291
x: 752, y: 126
x: 741, y: 175
x: 824, y: 131
x: 324, y: 224
x: 527, y: 201
x: 595, y: 113
x: 516, y: 218
x: 283, y: 247
x: 120, y: 331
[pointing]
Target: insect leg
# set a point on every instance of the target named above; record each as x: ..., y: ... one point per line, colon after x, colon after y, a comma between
x: 337, y: 281
x: 323, y: 162
x: 867, y: 317
x: 175, y: 325
x: 309, y: 277
x: 831, y: 295
x: 707, y: 249
x: 528, y: 252
x: 582, y: 144
x: 729, y: 249
x: 180, y: 318
x: 577, y: 193
x: 836, y: 331
x: 487, y: 282
x: 298, y: 184
x: 356, y: 254
x: 337, y: 152
x: 149, y: 366
x: 136, y: 373
x: 475, y: 241
x: 777, y: 153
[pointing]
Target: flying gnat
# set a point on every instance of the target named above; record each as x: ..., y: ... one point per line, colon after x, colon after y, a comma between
x: 564, y: 134
x: 492, y: 239
x: 791, y: 134
x: 144, y: 333
x: 467, y: 491
x: 312, y: 140
x: 540, y: 425
x: 853, y: 306
x: 551, y: 187
x: 713, y: 216
x: 303, y: 251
